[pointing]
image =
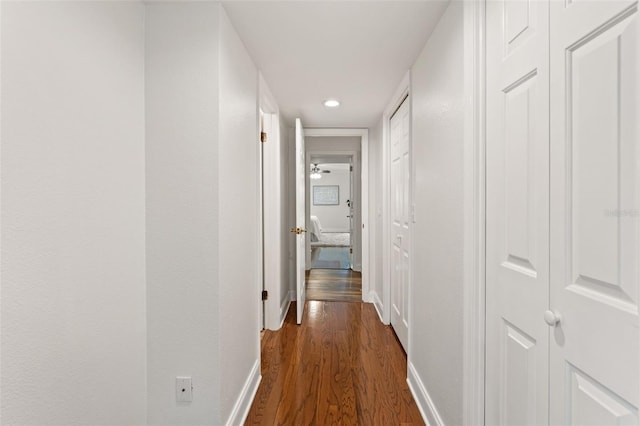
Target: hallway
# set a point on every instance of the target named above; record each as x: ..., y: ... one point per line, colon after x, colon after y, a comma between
x: 157, y: 191
x: 341, y: 366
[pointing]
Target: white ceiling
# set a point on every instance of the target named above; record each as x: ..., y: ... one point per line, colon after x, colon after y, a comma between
x: 354, y: 51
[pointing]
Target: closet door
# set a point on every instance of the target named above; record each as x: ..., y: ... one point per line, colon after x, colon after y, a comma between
x: 400, y: 220
x: 517, y: 351
x: 595, y: 212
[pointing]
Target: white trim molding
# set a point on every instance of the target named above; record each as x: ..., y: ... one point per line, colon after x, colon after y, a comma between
x: 284, y: 310
x: 474, y: 213
x: 364, y: 195
x: 270, y: 205
x: 424, y: 402
x: 400, y: 94
x: 245, y: 399
x: 377, y: 303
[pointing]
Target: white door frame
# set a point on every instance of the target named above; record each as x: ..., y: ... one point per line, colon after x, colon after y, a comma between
x: 364, y: 196
x: 474, y: 212
x: 399, y: 96
x: 272, y: 234
x: 310, y: 152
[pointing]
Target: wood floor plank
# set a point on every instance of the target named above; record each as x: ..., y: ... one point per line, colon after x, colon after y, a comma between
x: 334, y: 285
x: 342, y: 366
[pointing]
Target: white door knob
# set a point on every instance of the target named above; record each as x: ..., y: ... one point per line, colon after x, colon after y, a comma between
x: 552, y: 318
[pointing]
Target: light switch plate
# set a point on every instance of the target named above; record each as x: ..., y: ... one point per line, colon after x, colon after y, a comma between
x: 184, y: 389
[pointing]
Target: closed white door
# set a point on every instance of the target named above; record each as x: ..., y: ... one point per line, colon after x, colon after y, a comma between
x: 300, y: 228
x: 517, y: 269
x: 595, y: 212
x: 400, y: 224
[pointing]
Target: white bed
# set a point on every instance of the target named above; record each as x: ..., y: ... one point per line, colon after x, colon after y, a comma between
x: 315, y: 230
x: 326, y: 239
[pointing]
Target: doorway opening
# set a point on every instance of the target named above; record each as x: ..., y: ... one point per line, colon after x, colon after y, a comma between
x: 331, y: 207
x: 335, y: 216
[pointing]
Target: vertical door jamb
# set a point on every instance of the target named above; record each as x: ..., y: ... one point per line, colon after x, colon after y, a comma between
x: 474, y: 212
x: 399, y: 96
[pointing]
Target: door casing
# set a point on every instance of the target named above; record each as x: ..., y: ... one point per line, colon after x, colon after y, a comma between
x: 367, y: 271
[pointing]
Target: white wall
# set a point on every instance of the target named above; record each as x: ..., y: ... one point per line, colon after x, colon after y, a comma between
x: 375, y: 214
x: 203, y: 234
x: 334, y: 144
x: 238, y: 227
x: 73, y: 213
x: 333, y: 218
x: 182, y: 210
x: 436, y: 319
x: 285, y: 208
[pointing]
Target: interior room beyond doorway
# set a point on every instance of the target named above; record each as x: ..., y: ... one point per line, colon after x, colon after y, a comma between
x: 331, y: 213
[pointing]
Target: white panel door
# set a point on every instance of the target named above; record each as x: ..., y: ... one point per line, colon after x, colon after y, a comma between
x: 517, y: 270
x: 400, y: 223
x: 300, y: 221
x: 595, y: 212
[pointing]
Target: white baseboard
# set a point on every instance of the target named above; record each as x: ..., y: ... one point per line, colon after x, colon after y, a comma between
x: 425, y: 404
x: 284, y: 309
x: 245, y: 399
x: 377, y: 303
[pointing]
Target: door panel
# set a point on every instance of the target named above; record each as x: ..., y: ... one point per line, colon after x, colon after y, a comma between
x: 518, y: 368
x: 300, y: 221
x: 517, y: 212
x: 591, y: 403
x: 400, y: 226
x: 595, y: 212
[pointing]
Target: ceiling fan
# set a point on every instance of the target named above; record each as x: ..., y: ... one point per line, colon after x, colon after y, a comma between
x: 316, y: 172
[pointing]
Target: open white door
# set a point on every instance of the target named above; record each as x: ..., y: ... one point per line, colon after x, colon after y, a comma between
x: 300, y: 228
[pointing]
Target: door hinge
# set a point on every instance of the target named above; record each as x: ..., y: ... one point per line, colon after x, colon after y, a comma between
x: 350, y: 168
x: 265, y: 294
x: 350, y: 250
x: 263, y: 137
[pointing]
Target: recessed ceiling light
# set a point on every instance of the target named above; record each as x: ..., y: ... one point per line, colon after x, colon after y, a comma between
x: 331, y: 103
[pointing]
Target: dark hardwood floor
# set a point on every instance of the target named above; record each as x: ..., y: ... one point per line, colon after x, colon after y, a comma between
x: 334, y: 284
x: 342, y: 366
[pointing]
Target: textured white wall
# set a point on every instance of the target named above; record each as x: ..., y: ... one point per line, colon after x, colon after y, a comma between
x: 183, y: 295
x: 436, y: 295
x: 239, y: 218
x: 73, y: 214
x: 375, y: 213
x: 333, y: 218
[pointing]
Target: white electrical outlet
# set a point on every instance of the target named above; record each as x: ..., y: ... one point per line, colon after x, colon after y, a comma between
x: 184, y: 389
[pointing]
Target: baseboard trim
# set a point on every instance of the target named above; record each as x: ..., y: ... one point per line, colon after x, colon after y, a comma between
x: 425, y: 404
x: 284, y: 310
x: 245, y: 399
x: 377, y: 303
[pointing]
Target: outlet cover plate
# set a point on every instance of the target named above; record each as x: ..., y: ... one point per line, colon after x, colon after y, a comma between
x: 184, y: 389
